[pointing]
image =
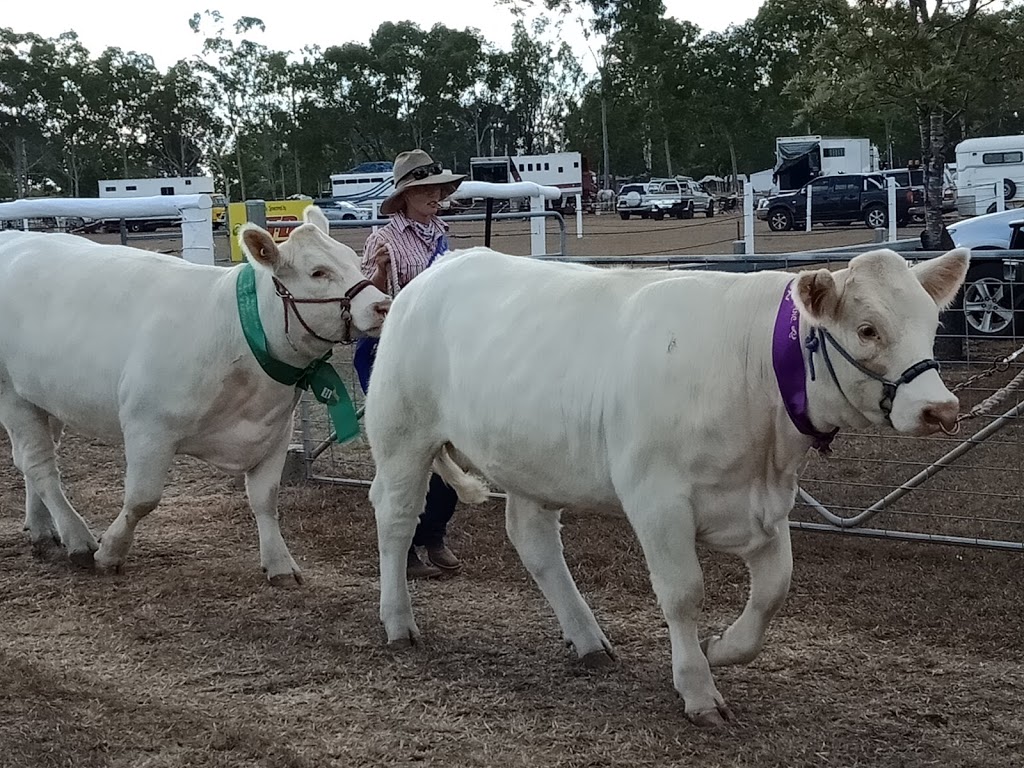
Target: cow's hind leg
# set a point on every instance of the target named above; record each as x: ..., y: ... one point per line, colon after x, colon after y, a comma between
x: 47, y: 509
x: 770, y: 568
x: 40, y: 526
x: 398, y: 491
x: 263, y: 485
x: 536, y: 534
x: 148, y: 461
x: 38, y: 522
x: 667, y: 534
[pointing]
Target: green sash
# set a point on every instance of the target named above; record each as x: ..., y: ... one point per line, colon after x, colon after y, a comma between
x: 319, y: 376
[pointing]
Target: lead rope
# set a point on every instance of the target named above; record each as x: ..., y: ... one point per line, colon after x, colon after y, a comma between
x: 393, y: 286
x: 985, y: 407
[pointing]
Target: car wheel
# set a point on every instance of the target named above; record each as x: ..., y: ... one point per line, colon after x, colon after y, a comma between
x: 135, y: 227
x: 658, y: 215
x: 989, y: 304
x: 875, y: 217
x: 1009, y: 189
x: 348, y: 217
x: 710, y: 212
x: 780, y: 220
x: 624, y: 216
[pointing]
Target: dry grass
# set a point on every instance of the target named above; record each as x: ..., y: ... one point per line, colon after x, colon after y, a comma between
x: 885, y: 654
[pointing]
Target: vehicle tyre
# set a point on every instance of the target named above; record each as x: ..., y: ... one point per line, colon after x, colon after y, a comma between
x: 710, y: 212
x: 902, y: 222
x: 780, y: 220
x: 688, y: 213
x: 348, y: 217
x: 988, y: 306
x: 624, y: 216
x: 876, y: 216
x: 658, y: 215
x: 135, y: 227
x: 1009, y: 189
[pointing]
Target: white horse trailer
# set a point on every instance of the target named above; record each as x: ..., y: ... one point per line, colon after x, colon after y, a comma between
x: 798, y: 159
x: 151, y: 187
x: 987, y: 168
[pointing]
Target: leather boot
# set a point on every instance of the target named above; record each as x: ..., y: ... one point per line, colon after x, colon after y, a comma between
x: 417, y: 569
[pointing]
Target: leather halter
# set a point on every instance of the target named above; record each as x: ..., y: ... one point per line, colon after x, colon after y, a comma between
x: 345, y: 303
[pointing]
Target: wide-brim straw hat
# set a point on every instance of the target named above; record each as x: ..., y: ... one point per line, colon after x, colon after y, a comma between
x: 416, y: 169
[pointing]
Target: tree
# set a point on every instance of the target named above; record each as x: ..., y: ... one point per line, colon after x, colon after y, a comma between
x: 923, y: 58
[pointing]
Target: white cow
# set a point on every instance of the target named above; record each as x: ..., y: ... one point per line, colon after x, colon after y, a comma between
x: 144, y: 349
x: 652, y: 392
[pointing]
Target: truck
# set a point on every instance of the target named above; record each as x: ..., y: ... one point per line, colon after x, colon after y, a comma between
x: 567, y: 171
x: 680, y: 197
x: 986, y: 167
x: 843, y: 198
x: 799, y: 159
x: 154, y: 187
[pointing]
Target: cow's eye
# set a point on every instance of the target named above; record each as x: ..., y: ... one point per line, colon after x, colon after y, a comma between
x: 867, y: 333
x: 319, y: 274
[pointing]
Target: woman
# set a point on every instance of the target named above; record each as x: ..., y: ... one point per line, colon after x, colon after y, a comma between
x: 412, y: 239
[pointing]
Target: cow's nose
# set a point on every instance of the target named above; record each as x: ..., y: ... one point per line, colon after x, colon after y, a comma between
x: 941, y: 415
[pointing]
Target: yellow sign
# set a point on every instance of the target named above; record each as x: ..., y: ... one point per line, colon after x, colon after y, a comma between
x: 276, y: 210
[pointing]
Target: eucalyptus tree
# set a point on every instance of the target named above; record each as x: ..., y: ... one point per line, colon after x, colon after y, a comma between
x: 927, y: 59
x: 242, y: 74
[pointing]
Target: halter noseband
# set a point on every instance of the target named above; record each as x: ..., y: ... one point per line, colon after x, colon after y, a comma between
x: 345, y: 302
x: 819, y: 339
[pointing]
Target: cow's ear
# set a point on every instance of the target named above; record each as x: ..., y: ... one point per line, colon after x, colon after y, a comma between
x: 817, y: 295
x: 311, y: 214
x: 942, y: 277
x: 259, y: 246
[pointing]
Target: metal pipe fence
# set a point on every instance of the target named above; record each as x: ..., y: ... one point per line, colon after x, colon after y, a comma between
x: 965, y: 490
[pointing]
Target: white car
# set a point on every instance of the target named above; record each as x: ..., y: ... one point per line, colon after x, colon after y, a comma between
x: 993, y: 295
x: 342, y: 210
x: 991, y: 231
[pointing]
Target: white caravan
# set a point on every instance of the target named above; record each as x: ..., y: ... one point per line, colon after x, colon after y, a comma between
x: 364, y: 183
x: 565, y: 170
x: 798, y: 159
x: 986, y: 167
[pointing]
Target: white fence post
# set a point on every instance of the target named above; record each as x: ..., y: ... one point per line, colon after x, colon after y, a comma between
x: 891, y: 182
x: 810, y: 187
x: 579, y: 216
x: 1000, y: 200
x: 197, y: 233
x: 748, y: 219
x: 538, y: 228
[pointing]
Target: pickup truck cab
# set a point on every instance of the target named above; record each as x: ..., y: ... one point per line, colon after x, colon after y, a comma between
x: 842, y: 198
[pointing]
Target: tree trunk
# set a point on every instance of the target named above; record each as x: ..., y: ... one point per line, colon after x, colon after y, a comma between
x: 668, y: 158
x: 732, y: 159
x: 238, y: 165
x: 20, y: 171
x: 933, y: 128
x: 604, y: 138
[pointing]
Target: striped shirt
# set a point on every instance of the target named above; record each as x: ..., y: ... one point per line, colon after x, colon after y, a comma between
x: 411, y: 245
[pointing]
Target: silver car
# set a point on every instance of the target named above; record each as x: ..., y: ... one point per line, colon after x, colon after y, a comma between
x: 342, y: 210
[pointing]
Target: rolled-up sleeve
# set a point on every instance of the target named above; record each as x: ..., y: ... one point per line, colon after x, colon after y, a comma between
x: 367, y: 264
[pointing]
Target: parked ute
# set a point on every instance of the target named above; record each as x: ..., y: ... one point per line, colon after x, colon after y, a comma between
x: 841, y: 199
x: 659, y: 198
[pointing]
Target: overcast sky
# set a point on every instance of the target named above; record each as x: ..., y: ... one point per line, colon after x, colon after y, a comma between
x: 162, y: 31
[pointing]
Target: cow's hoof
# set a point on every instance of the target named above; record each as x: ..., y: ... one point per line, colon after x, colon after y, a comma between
x: 404, y: 640
x: 286, y: 580
x: 83, y: 558
x: 598, y: 660
x: 712, y: 718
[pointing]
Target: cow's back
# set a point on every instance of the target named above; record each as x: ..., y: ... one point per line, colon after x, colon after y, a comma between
x: 546, y: 371
x: 77, y: 318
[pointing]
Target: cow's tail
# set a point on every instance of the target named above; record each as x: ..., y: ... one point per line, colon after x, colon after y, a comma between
x: 470, y: 488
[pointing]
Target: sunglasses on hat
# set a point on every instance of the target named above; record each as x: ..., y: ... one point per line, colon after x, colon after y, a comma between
x: 423, y: 171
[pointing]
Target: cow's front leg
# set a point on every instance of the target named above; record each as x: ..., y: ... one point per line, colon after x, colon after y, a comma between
x: 397, y: 493
x: 263, y: 485
x: 770, y: 568
x: 535, y: 533
x: 148, y: 462
x: 667, y: 534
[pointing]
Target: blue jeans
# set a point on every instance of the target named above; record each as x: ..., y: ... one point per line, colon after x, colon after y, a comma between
x: 441, y: 497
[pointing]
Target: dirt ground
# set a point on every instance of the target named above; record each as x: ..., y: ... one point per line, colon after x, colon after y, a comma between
x: 885, y: 654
